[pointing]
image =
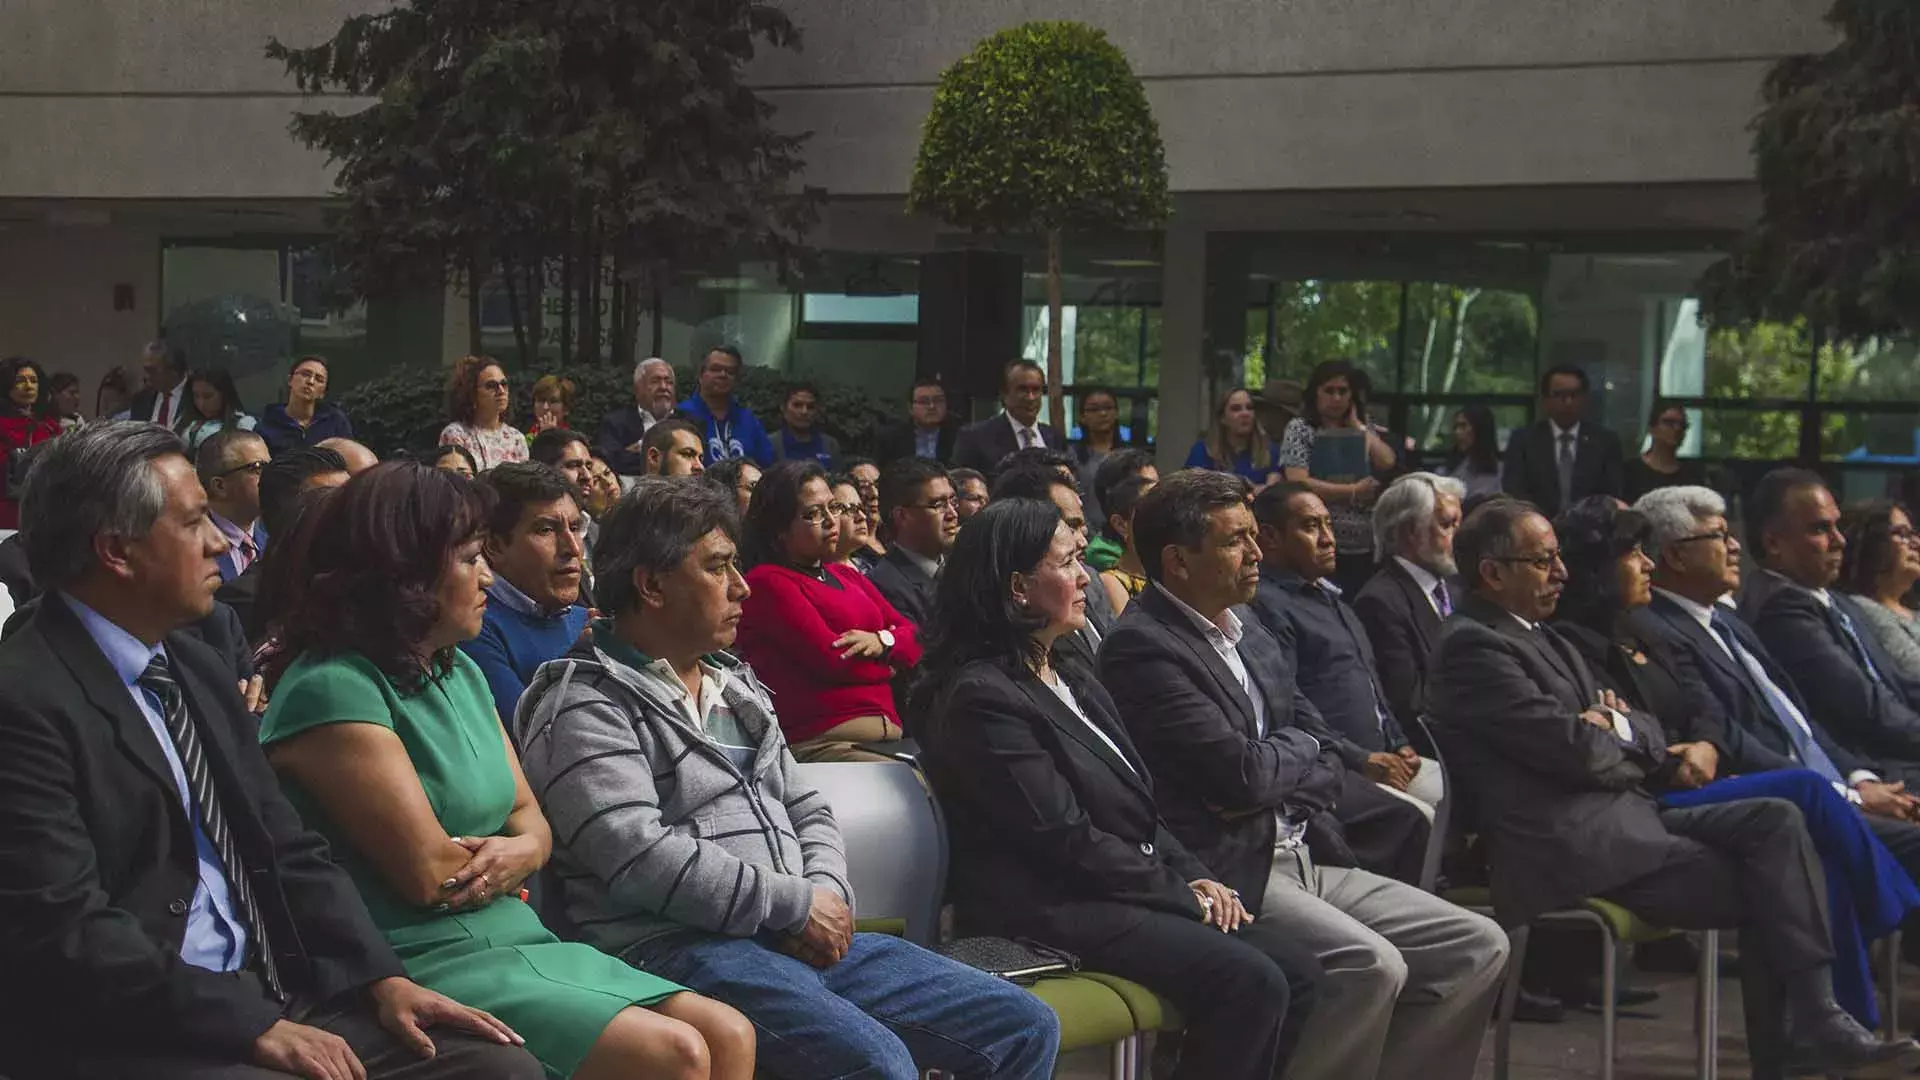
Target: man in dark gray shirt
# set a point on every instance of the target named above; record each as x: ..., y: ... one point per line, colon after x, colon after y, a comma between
x: 1299, y: 604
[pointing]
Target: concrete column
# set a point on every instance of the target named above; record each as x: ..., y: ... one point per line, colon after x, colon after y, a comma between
x: 1183, y: 342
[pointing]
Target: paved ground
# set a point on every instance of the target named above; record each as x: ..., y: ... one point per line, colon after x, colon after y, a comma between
x: 1656, y: 1040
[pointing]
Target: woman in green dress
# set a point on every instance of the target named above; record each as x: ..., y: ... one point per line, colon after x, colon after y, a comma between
x: 385, y: 736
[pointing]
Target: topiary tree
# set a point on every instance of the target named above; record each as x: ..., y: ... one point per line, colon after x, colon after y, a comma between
x: 1837, y: 151
x: 1042, y: 128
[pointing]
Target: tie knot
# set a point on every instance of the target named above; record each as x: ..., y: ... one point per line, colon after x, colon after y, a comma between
x: 158, y: 677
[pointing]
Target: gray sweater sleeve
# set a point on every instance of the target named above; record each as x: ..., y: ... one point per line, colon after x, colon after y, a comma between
x: 591, y: 774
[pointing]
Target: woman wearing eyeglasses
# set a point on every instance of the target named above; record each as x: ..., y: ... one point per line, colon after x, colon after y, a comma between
x: 856, y: 532
x: 1880, y: 569
x: 1661, y: 466
x: 307, y: 419
x: 817, y: 632
x: 1609, y: 578
x: 477, y: 398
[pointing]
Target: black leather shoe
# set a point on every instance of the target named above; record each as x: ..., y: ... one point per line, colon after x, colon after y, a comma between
x: 1532, y: 1007
x: 1837, y: 1044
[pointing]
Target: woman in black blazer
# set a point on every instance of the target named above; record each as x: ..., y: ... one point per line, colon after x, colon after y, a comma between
x: 1050, y: 810
x: 1608, y: 580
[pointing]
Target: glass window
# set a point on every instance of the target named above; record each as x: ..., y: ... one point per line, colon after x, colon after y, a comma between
x: 1769, y: 360
x: 1431, y: 427
x: 1878, y: 370
x: 1316, y: 320
x: 1756, y: 434
x: 844, y: 308
x: 1891, y: 438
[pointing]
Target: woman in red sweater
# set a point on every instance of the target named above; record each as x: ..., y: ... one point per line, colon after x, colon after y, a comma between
x: 21, y: 426
x: 819, y: 635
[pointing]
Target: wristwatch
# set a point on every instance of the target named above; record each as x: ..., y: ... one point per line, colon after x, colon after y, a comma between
x: 886, y: 642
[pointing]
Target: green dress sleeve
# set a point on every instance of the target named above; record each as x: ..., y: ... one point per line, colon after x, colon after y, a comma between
x: 337, y: 689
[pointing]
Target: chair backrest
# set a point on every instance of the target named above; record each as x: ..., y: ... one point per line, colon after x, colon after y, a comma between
x: 895, y: 839
x: 1442, y: 814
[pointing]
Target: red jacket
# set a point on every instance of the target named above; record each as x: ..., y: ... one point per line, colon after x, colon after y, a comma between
x: 18, y: 432
x: 787, y: 629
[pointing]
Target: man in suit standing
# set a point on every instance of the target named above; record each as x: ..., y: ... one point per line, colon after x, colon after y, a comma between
x: 1563, y: 458
x: 618, y: 440
x: 1022, y: 387
x: 916, y: 501
x: 163, y: 379
x: 1767, y: 724
x: 1402, y: 604
x: 1818, y: 635
x: 1298, y: 603
x: 930, y: 432
x: 229, y: 465
x: 1558, y: 764
x: 1212, y: 704
x: 169, y: 916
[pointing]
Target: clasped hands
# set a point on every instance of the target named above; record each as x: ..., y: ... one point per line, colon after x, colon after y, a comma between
x: 496, y: 866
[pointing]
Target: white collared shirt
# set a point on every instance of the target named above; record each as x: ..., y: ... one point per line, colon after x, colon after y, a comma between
x: 1033, y: 429
x: 1703, y: 614
x: 1529, y: 627
x: 1422, y: 577
x: 1560, y: 433
x: 1060, y: 690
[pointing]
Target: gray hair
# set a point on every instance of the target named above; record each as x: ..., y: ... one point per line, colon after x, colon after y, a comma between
x: 653, y: 528
x: 97, y: 478
x: 1409, y: 502
x: 640, y: 369
x: 1675, y: 513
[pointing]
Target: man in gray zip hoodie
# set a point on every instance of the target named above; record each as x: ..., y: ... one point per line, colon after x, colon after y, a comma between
x: 686, y: 844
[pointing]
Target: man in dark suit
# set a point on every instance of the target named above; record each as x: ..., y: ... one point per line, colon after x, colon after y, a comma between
x: 283, y: 483
x: 1212, y: 703
x: 1402, y: 604
x: 1563, y: 458
x: 916, y: 502
x: 930, y: 432
x: 1765, y: 724
x: 1298, y: 603
x: 1850, y: 684
x: 163, y: 385
x: 1017, y: 427
x: 1558, y: 764
x: 618, y: 440
x: 168, y: 914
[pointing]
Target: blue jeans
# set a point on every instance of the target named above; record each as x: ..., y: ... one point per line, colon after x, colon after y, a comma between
x: 888, y: 1010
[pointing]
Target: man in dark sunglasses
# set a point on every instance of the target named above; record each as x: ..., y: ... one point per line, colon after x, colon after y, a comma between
x: 229, y: 465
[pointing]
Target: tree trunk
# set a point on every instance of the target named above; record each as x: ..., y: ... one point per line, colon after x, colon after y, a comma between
x: 596, y: 273
x: 475, y: 343
x: 1056, y: 400
x: 537, y: 301
x: 566, y: 295
x: 1460, y: 308
x: 507, y: 278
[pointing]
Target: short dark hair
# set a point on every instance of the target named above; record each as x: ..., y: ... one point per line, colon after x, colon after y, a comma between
x: 726, y: 472
x: 1179, y: 511
x: 1593, y: 535
x: 222, y: 384
x: 547, y: 446
x: 1022, y: 364
x: 1121, y: 501
x: 1043, y: 456
x: 517, y: 485
x: 848, y: 464
x: 922, y: 384
x: 97, y: 478
x: 801, y: 387
x: 733, y: 351
x: 1030, y: 482
x: 1572, y: 370
x: 653, y: 527
x: 963, y: 475
x: 1769, y: 499
x: 361, y: 572
x: 1274, y: 505
x: 282, y: 479
x: 1487, y: 533
x: 211, y: 459
x: 660, y: 436
x: 1118, y: 466
x: 775, y: 503
x: 904, y: 480
x: 437, y: 454
x: 463, y: 382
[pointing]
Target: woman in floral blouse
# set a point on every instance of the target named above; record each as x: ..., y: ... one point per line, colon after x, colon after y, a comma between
x: 477, y: 400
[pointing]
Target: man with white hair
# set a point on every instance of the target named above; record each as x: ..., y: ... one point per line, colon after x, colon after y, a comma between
x: 1767, y: 721
x: 1403, y: 604
x: 618, y: 440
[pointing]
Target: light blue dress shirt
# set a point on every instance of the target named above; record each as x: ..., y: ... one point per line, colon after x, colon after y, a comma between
x: 215, y: 939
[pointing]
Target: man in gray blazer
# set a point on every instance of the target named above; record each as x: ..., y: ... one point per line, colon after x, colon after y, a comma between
x: 1557, y: 766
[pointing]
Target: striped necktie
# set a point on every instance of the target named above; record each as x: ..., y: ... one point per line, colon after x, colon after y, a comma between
x: 158, y: 680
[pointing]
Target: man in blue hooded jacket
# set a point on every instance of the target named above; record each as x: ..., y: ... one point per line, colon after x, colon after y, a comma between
x: 732, y: 429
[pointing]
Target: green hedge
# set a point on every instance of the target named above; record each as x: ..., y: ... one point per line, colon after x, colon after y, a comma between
x: 406, y: 408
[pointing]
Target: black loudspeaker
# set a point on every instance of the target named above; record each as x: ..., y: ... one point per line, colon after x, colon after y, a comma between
x: 970, y: 320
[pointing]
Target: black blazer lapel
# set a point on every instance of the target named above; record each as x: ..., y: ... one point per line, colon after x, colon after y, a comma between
x: 1567, y: 660
x: 1130, y: 772
x: 1705, y: 644
x: 1182, y: 629
x: 103, y: 690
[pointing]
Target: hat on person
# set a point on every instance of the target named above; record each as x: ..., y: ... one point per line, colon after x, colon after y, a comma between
x: 1279, y: 394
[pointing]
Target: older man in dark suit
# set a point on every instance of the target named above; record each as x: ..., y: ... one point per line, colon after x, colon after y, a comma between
x: 1212, y: 704
x: 1017, y: 427
x: 1558, y: 765
x: 167, y: 914
x: 1402, y: 604
x: 1818, y: 635
x: 1562, y: 458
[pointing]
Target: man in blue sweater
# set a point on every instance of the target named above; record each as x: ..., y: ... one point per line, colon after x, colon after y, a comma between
x: 731, y: 428
x: 535, y: 543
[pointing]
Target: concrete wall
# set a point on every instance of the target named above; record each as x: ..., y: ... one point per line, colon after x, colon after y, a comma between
x: 175, y: 99
x: 56, y: 299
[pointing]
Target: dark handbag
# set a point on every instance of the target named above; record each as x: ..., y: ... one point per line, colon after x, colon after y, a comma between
x: 1018, y: 961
